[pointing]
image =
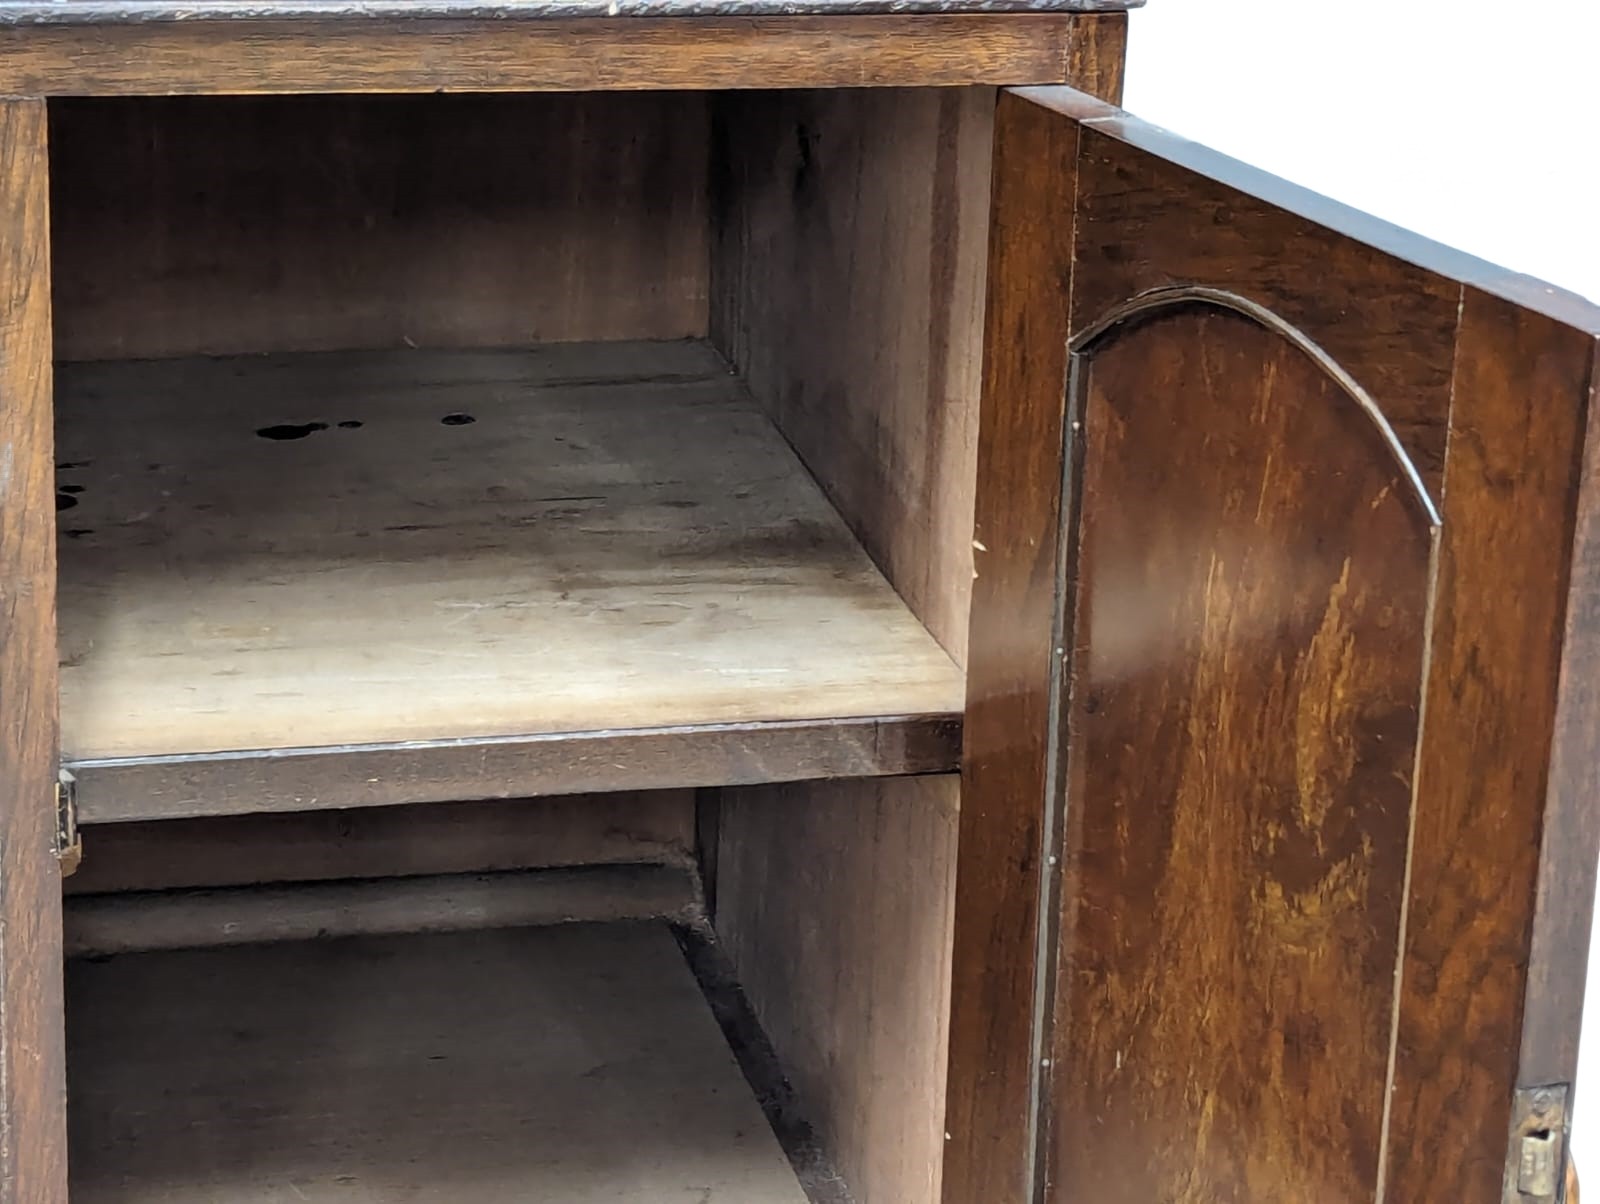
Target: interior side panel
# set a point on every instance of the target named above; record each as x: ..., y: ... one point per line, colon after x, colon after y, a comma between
x: 850, y: 248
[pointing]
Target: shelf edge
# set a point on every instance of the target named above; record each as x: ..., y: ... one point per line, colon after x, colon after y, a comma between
x: 129, y: 789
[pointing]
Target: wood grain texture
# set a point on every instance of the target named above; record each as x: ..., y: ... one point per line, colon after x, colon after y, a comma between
x: 576, y: 54
x: 32, y: 1077
x: 1098, y: 58
x: 581, y: 538
x: 237, y: 225
x: 384, y: 842
x: 1493, y: 403
x: 1276, y: 242
x: 869, y: 208
x: 834, y: 905
x: 1003, y: 784
x: 1377, y: 235
x: 144, y: 921
x: 578, y: 1063
x: 112, y: 12
x: 1252, y: 572
x: 1136, y: 238
x: 1486, y: 797
x: 1558, y: 970
x: 553, y: 763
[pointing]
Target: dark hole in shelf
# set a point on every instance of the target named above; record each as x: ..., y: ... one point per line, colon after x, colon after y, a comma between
x: 1540, y: 1135
x: 291, y: 430
x: 65, y: 501
x: 350, y: 424
x: 79, y: 532
x: 70, y: 488
x: 68, y: 465
x: 458, y: 420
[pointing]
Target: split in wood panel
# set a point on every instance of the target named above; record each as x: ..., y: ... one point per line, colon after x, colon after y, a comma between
x: 575, y: 1063
x: 409, y: 556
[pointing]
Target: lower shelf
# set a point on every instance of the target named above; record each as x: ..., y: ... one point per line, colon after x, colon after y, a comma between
x: 577, y: 1063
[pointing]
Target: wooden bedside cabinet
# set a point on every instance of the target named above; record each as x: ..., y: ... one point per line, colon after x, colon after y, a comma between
x: 758, y: 601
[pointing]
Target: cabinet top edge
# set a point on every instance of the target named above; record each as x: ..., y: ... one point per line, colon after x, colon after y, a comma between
x: 1472, y: 272
x: 124, y: 12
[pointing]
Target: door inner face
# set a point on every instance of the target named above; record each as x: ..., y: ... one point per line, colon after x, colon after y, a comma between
x: 1245, y: 612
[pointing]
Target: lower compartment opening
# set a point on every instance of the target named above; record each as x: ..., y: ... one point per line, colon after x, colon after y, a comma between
x: 733, y: 996
x: 575, y: 1062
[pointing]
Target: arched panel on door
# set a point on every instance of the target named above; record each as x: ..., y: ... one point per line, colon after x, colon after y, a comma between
x: 1247, y: 566
x: 1256, y: 844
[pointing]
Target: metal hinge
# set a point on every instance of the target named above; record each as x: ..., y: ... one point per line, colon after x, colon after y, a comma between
x: 1536, y: 1163
x: 69, y: 844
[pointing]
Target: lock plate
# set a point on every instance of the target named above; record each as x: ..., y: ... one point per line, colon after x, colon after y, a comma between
x: 1536, y: 1161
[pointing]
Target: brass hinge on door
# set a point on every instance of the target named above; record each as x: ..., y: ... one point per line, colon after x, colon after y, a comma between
x: 69, y: 845
x: 1536, y: 1164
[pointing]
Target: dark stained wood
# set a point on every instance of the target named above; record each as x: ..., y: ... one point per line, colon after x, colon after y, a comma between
x: 847, y: 285
x: 1003, y: 782
x: 1252, y: 573
x: 571, y: 54
x: 385, y: 842
x: 1487, y: 801
x: 223, y: 225
x: 1138, y: 239
x: 1098, y: 58
x: 1254, y: 187
x: 834, y: 906
x: 763, y: 1071
x: 114, y: 12
x: 1487, y: 378
x: 118, y: 791
x: 1408, y: 285
x: 707, y: 841
x: 32, y: 1075
x: 138, y: 922
x: 1557, y: 970
x: 869, y: 207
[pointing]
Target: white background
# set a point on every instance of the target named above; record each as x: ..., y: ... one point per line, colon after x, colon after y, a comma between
x: 1475, y: 122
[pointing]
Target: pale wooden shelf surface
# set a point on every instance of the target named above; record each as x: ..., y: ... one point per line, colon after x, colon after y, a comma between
x: 575, y: 539
x: 578, y: 1063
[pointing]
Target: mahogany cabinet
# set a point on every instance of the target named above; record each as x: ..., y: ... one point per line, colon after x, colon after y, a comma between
x: 744, y: 601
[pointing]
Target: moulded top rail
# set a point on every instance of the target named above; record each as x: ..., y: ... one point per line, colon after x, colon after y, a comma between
x: 86, y: 12
x: 155, y: 47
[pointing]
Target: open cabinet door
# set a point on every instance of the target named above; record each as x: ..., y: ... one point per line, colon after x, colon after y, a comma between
x: 1278, y: 856
x: 32, y: 1074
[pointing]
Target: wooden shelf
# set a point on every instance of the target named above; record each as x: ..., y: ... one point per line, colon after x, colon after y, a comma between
x: 578, y: 1063
x: 360, y: 578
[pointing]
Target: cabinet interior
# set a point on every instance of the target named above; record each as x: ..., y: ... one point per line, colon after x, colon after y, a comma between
x: 499, y: 535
